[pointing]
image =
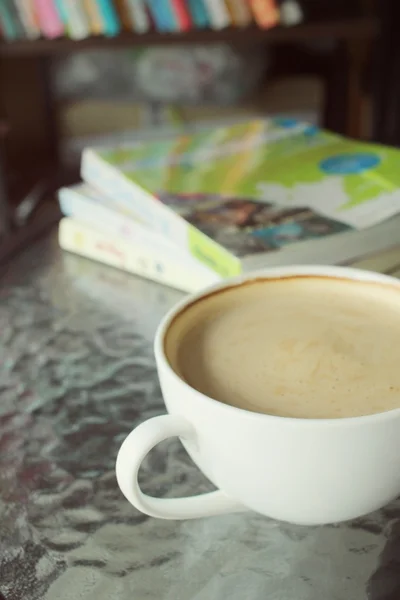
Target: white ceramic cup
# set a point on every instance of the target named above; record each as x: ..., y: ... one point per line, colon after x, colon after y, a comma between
x: 306, y: 471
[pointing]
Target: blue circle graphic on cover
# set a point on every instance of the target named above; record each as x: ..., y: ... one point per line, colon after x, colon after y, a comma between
x: 286, y: 122
x: 349, y: 164
x: 311, y: 130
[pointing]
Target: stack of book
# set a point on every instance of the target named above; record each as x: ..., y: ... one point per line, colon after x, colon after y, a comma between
x: 190, y: 210
x: 79, y: 19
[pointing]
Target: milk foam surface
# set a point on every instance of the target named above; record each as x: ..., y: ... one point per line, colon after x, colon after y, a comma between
x: 306, y: 347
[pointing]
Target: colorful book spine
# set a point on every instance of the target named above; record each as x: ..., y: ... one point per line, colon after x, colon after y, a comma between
x: 28, y: 18
x: 49, y: 19
x: 182, y: 15
x: 199, y: 14
x: 74, y: 17
x: 111, y: 23
x: 219, y: 16
x: 158, y: 15
x: 139, y: 15
x: 61, y: 8
x: 239, y: 12
x: 6, y: 22
x: 141, y: 260
x: 169, y: 15
x: 92, y: 11
x: 265, y: 12
x: 10, y: 22
x: 124, y: 14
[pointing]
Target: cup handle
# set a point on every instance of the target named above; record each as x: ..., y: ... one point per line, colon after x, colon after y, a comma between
x: 134, y: 449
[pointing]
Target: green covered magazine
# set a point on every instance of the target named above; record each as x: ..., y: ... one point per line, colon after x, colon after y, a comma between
x: 256, y: 193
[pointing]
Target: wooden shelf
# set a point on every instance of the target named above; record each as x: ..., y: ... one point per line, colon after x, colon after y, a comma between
x: 350, y: 28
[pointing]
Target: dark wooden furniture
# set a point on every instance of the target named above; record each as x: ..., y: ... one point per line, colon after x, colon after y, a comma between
x: 4, y: 208
x: 350, y: 40
x: 386, y: 121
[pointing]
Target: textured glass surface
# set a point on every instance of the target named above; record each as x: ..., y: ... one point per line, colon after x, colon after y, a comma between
x: 77, y: 374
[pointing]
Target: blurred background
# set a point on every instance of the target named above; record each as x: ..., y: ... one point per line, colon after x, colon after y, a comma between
x: 71, y: 79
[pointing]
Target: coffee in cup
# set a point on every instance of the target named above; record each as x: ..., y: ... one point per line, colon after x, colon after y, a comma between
x: 304, y: 347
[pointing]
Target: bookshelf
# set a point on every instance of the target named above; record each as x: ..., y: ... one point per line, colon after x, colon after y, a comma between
x: 350, y: 37
x: 364, y: 27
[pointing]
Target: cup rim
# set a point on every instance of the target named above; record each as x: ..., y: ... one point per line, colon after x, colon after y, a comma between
x: 278, y: 272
